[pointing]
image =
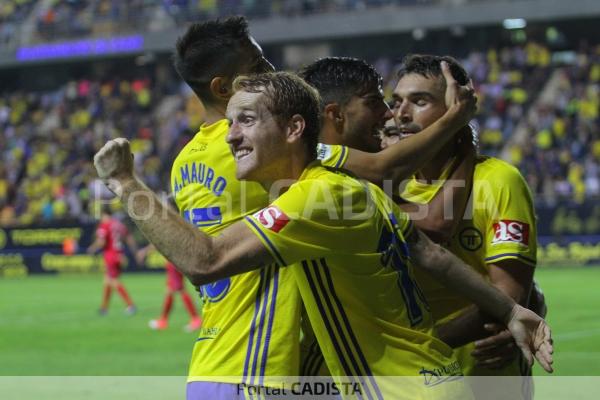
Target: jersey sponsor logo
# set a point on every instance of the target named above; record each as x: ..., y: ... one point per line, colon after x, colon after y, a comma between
x: 509, y: 231
x: 272, y: 218
x: 445, y: 373
x: 216, y: 291
x: 470, y: 239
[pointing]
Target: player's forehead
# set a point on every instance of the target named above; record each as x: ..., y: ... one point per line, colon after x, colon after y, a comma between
x: 414, y: 83
x: 244, y: 100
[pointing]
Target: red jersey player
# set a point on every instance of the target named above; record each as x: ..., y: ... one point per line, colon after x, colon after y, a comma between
x: 174, y: 284
x: 110, y: 235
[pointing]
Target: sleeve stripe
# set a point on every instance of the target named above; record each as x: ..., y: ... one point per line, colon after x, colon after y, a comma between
x: 270, y: 245
x: 340, y: 162
x: 511, y: 255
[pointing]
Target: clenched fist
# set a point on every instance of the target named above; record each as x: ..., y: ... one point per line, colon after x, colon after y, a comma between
x: 114, y: 164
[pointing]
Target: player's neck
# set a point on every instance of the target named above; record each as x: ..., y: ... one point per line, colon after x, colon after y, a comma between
x: 329, y: 135
x: 213, y: 113
x: 433, y: 170
x: 285, y: 176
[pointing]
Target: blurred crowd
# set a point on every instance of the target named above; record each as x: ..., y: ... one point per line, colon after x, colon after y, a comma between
x: 48, y: 141
x: 49, y: 138
x: 12, y: 14
x: 561, y: 157
x: 63, y: 19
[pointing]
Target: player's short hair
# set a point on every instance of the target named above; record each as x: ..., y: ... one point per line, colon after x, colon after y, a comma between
x: 210, y: 49
x: 287, y: 94
x: 339, y: 78
x: 428, y: 65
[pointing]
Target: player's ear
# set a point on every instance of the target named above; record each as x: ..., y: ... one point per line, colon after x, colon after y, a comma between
x: 295, y: 128
x: 333, y: 113
x: 220, y: 88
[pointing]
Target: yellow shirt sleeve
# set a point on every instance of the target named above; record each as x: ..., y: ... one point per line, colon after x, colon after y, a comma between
x: 511, y: 228
x: 308, y: 221
x: 332, y: 155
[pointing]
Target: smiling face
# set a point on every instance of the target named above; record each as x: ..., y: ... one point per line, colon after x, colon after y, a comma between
x: 418, y: 103
x: 256, y: 138
x: 364, y: 118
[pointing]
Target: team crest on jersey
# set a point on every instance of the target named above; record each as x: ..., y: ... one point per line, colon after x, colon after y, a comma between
x: 470, y: 239
x: 216, y: 291
x: 509, y: 231
x: 272, y: 218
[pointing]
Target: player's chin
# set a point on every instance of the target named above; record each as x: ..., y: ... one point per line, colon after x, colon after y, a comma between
x: 244, y: 171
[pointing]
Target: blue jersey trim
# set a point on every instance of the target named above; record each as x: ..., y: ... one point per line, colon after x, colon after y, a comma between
x: 342, y: 312
x: 270, y: 244
x: 257, y: 307
x: 340, y: 161
x: 261, y: 325
x: 269, y: 324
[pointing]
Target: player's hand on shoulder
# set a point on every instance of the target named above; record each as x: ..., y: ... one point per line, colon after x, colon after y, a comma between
x: 497, y: 350
x: 532, y: 335
x: 114, y: 163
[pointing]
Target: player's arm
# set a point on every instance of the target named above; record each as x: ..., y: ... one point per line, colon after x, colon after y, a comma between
x: 403, y: 159
x: 201, y: 258
x: 512, y: 277
x: 98, y: 244
x: 531, y: 333
x: 441, y: 216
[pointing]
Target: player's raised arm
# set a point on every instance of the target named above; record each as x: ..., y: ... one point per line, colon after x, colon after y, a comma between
x: 531, y: 333
x: 399, y: 161
x: 201, y: 258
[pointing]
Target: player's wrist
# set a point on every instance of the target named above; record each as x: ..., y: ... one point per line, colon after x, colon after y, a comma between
x: 122, y: 186
x: 511, y: 314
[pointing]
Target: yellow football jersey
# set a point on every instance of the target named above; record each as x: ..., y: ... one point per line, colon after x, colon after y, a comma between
x: 249, y: 320
x: 345, y: 241
x: 332, y: 155
x: 499, y: 224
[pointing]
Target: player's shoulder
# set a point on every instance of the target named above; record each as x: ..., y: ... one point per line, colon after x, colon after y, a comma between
x: 497, y: 171
x: 321, y: 183
x: 207, y: 133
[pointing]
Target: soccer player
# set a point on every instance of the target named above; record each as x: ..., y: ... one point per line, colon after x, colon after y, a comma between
x: 353, y: 116
x: 236, y: 320
x: 353, y: 250
x: 110, y: 236
x: 243, y: 338
x: 174, y: 285
x: 351, y: 136
x: 498, y: 237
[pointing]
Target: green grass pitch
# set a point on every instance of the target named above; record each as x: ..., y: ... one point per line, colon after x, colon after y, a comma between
x: 49, y: 326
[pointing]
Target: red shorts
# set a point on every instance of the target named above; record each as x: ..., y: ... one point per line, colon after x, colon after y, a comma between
x: 174, y: 278
x: 112, y: 261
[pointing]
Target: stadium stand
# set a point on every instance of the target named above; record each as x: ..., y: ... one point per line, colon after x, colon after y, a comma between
x: 50, y: 137
x: 561, y: 155
x: 12, y: 14
x: 560, y: 159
